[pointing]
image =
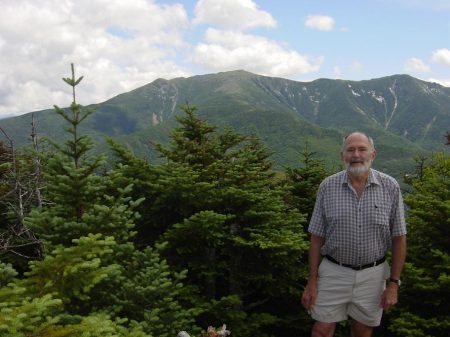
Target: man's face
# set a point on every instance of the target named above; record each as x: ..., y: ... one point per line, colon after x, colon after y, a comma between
x: 358, y: 154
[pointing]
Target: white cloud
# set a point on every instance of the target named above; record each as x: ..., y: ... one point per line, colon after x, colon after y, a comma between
x: 228, y: 50
x: 442, y: 81
x: 441, y: 56
x: 416, y: 65
x: 320, y: 22
x: 438, y: 5
x: 232, y: 14
x: 337, y: 72
x: 116, y: 45
x: 356, y: 66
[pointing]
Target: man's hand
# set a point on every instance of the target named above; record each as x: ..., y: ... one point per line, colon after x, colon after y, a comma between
x: 389, y: 297
x: 309, y: 295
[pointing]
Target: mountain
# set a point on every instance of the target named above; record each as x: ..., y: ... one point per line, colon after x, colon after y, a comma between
x: 405, y: 115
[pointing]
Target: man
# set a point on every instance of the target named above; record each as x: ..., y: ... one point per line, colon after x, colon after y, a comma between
x: 357, y: 218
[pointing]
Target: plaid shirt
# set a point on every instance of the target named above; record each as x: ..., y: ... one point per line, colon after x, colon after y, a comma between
x: 358, y: 231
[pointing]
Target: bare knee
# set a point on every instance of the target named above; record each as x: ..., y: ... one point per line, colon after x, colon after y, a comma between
x: 321, y: 329
x: 360, y: 330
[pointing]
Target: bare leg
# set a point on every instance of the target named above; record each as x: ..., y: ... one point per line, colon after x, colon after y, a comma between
x: 360, y: 330
x: 321, y: 329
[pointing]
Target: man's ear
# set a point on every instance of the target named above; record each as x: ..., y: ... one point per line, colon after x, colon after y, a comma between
x: 374, y: 154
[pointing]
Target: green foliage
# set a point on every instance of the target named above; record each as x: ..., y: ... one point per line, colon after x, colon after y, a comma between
x: 282, y: 113
x: 7, y: 274
x: 93, y: 281
x: 44, y: 302
x: 73, y: 271
x: 146, y: 290
x: 217, y: 205
x: 73, y: 188
x: 209, y: 234
x: 423, y: 309
x: 303, y: 182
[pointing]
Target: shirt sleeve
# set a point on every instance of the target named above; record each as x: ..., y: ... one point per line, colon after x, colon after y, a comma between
x: 397, y: 218
x: 317, y: 222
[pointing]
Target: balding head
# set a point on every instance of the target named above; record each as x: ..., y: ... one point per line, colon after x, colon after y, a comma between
x: 358, y: 152
x: 369, y: 139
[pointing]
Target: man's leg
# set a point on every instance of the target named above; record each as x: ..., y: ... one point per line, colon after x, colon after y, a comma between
x: 321, y: 329
x: 360, y: 330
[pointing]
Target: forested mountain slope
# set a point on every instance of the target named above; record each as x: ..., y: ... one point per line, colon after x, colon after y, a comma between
x: 405, y: 115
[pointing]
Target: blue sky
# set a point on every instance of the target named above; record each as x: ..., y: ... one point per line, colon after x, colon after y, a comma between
x: 120, y: 45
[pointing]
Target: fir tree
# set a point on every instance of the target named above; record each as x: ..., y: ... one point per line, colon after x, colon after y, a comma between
x: 92, y: 272
x: 425, y: 293
x: 303, y: 181
x: 217, y: 205
x: 41, y: 304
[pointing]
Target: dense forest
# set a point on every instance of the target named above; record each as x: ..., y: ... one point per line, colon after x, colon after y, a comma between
x: 210, y: 235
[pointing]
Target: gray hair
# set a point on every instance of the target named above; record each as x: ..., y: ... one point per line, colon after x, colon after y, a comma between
x: 370, y: 139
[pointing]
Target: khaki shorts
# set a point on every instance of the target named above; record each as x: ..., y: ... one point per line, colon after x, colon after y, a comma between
x: 344, y: 292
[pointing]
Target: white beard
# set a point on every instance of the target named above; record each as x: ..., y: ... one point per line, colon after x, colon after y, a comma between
x: 360, y: 169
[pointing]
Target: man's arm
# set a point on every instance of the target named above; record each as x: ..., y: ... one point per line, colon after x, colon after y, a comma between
x: 398, y: 255
x: 310, y: 292
x: 390, y: 294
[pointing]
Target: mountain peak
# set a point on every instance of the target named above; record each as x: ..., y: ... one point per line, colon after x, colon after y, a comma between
x: 397, y: 109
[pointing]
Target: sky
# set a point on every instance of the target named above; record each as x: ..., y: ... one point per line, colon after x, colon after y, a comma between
x: 120, y: 45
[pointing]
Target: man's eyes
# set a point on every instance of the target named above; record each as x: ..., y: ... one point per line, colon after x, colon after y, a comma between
x: 361, y: 149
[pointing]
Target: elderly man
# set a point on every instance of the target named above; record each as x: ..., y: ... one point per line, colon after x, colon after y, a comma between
x: 357, y: 218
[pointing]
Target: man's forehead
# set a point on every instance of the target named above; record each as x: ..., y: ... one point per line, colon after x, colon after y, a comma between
x: 357, y: 139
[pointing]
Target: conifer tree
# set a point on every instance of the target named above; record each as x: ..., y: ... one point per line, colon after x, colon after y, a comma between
x: 41, y: 304
x: 303, y: 181
x: 216, y: 204
x: 73, y: 188
x: 425, y: 293
x: 93, y: 272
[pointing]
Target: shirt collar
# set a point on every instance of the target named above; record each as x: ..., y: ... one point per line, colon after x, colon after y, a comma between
x: 372, y: 179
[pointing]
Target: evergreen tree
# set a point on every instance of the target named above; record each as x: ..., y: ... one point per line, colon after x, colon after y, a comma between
x: 73, y: 188
x: 217, y: 205
x: 93, y: 272
x: 425, y: 293
x: 41, y: 304
x: 166, y: 190
x: 303, y: 182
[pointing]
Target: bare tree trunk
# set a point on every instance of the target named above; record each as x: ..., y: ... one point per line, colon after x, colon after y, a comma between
x: 37, y: 162
x: 17, y: 236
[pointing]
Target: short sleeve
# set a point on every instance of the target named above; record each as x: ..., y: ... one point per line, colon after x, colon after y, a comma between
x: 397, y: 218
x: 317, y: 222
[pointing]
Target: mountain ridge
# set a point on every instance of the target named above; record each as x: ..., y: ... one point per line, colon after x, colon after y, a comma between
x: 404, y: 114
